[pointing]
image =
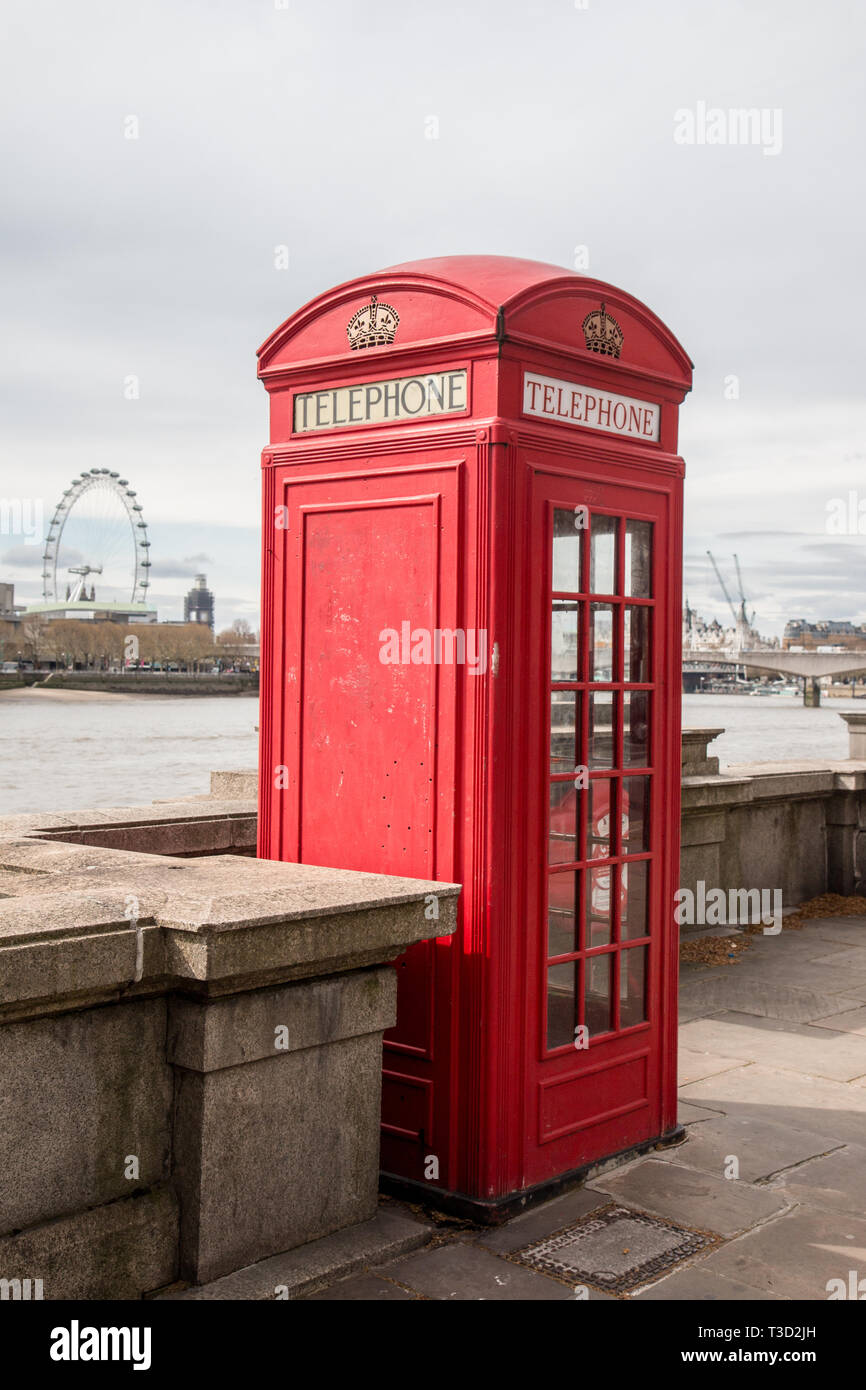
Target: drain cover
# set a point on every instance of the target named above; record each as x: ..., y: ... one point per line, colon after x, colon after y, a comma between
x: 615, y: 1249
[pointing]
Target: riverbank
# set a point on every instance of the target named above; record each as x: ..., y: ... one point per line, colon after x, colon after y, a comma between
x: 136, y: 682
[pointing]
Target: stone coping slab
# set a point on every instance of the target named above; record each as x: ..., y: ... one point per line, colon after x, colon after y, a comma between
x: 80, y: 922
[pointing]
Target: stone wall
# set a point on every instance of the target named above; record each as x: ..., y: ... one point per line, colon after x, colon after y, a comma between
x: 190, y: 1045
x: 796, y: 826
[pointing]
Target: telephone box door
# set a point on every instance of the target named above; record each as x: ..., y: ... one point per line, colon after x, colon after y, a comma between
x: 604, y: 801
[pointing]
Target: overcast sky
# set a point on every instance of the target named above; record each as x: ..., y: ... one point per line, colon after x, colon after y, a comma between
x: 305, y: 124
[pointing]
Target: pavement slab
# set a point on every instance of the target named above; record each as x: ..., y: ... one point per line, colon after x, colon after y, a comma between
x: 796, y: 1256
x: 460, y: 1271
x: 851, y: 930
x: 754, y: 993
x: 760, y: 1147
x: 830, y: 1108
x: 834, y: 1183
x: 693, y: 1064
x: 700, y: 1284
x: 688, y: 1114
x: 852, y: 1021
x: 776, y: 1043
x: 691, y: 1197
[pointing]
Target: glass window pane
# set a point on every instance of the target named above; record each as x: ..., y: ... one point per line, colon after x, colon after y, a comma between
x: 598, y: 835
x: 563, y: 641
x: 602, y: 729
x: 566, y: 551
x: 636, y: 640
x: 601, y: 642
x: 598, y: 1012
x: 562, y: 847
x: 564, y: 707
x: 635, y: 815
x: 561, y: 1004
x: 635, y: 902
x: 632, y: 986
x: 635, y: 728
x: 562, y: 913
x: 638, y: 558
x: 602, y: 554
x: 599, y: 929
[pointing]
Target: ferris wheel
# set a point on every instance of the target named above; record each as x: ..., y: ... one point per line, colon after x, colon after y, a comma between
x: 98, y: 528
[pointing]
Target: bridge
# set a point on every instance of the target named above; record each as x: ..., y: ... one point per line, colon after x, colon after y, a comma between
x: 812, y: 666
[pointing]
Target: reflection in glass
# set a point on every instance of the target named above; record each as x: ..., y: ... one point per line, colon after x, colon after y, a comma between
x: 635, y: 815
x: 632, y: 986
x: 598, y: 828
x: 566, y: 552
x: 635, y: 728
x: 599, y: 920
x: 602, y: 554
x: 563, y: 641
x: 601, y: 642
x: 634, y: 921
x: 561, y: 1004
x: 636, y: 638
x: 602, y: 743
x: 564, y: 705
x: 598, y: 1014
x: 562, y: 913
x: 638, y: 558
x: 562, y: 844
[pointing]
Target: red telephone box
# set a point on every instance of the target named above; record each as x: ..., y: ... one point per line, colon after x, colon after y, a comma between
x: 471, y: 673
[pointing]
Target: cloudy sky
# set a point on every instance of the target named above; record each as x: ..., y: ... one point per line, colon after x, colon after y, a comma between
x: 264, y: 123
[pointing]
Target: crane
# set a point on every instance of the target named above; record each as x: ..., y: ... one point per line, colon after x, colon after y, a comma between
x: 749, y: 621
x: 722, y: 582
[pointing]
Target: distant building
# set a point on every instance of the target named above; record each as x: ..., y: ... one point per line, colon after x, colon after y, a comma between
x: 93, y: 610
x: 810, y: 637
x: 198, y: 606
x: 9, y: 613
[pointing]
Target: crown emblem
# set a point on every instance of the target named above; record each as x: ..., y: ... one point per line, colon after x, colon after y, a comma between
x: 372, y: 326
x: 602, y: 333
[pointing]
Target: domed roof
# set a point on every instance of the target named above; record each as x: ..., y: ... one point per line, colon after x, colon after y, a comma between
x: 463, y: 298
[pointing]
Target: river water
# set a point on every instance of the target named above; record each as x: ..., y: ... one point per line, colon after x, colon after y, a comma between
x: 68, y: 750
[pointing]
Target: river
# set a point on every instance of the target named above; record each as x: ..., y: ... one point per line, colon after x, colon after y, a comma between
x: 67, y: 750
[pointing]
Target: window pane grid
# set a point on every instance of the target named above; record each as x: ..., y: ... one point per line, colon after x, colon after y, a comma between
x: 599, y: 903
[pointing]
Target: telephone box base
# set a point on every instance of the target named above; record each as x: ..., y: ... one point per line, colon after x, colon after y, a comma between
x: 495, y: 1211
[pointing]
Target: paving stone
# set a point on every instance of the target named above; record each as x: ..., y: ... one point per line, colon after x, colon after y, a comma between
x: 760, y: 1146
x: 692, y: 1064
x: 852, y: 1021
x: 688, y: 1114
x: 459, y: 1271
x: 835, y: 1183
x: 755, y: 994
x: 794, y: 945
x: 362, y: 1288
x: 776, y: 1043
x: 541, y: 1221
x: 831, y: 1108
x: 691, y: 1197
x: 700, y: 1284
x: 797, y: 1255
x: 807, y: 974
x: 854, y: 960
x: 851, y: 930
